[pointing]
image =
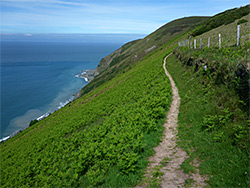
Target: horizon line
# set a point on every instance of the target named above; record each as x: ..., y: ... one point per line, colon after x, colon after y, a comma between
x: 30, y: 34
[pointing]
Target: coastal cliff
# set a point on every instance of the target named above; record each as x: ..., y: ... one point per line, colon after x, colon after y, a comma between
x: 132, y: 52
x: 106, y: 136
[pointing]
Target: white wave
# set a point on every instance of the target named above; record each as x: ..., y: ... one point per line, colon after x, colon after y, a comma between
x: 4, y: 139
x: 43, y: 116
x: 22, y: 122
x: 81, y: 76
x: 61, y: 104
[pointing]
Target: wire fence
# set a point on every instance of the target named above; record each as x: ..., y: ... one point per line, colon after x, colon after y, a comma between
x: 219, y: 41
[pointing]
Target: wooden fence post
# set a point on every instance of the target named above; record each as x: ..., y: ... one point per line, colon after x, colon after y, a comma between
x: 219, y: 40
x: 238, y: 35
x: 200, y: 42
x: 208, y: 42
x: 194, y: 43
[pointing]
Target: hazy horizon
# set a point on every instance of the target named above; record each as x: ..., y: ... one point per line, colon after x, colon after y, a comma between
x: 106, y: 16
x: 72, y: 37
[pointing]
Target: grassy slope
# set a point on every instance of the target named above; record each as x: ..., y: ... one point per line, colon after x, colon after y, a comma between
x: 89, y: 141
x: 226, y: 164
x: 129, y: 54
x: 103, y: 138
x: 213, y: 120
x: 228, y: 33
x: 221, y: 19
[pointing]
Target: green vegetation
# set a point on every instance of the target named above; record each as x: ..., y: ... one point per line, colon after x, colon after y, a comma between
x: 164, y: 162
x: 214, y: 87
x: 228, y: 34
x: 212, y: 125
x: 175, y: 28
x: 32, y: 122
x: 228, y: 66
x: 187, y: 167
x: 129, y: 54
x: 188, y: 182
x: 156, y: 173
x: 104, y: 138
x: 101, y: 139
x: 224, y: 18
x: 242, y: 21
x: 153, y: 179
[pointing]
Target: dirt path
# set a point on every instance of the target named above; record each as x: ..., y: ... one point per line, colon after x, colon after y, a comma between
x: 168, y: 157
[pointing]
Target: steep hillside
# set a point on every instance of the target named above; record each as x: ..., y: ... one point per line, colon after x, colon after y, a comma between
x: 139, y: 48
x: 213, y: 128
x: 228, y: 34
x: 105, y: 137
x: 220, y: 19
x: 101, y: 139
x: 124, y: 58
x: 214, y: 87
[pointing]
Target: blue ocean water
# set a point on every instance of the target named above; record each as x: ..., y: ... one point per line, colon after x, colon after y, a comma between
x: 37, y: 76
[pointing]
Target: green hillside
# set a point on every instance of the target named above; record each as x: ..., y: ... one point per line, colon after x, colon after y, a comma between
x: 220, y: 19
x: 228, y: 34
x: 109, y: 132
x: 129, y: 54
x: 214, y: 87
x: 105, y: 137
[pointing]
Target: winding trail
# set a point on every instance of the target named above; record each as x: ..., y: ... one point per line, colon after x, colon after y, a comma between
x: 168, y: 151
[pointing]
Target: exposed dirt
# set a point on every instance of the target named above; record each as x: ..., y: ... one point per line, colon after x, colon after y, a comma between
x: 173, y: 175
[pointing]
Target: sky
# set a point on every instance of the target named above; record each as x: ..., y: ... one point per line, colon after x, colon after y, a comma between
x: 102, y: 16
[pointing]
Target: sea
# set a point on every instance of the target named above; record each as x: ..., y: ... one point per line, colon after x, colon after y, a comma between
x: 38, y: 72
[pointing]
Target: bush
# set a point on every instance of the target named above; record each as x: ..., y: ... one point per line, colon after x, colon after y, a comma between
x: 32, y: 122
x: 242, y: 21
x: 226, y: 68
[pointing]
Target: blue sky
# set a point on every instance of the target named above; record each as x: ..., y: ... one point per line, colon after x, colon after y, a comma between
x: 102, y: 16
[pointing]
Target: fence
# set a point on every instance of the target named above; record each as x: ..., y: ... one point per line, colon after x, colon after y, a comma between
x: 213, y: 42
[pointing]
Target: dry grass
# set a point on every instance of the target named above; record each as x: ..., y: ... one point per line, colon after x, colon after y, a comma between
x: 228, y: 34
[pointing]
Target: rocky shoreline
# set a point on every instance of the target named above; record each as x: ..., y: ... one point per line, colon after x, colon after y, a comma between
x: 87, y: 75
